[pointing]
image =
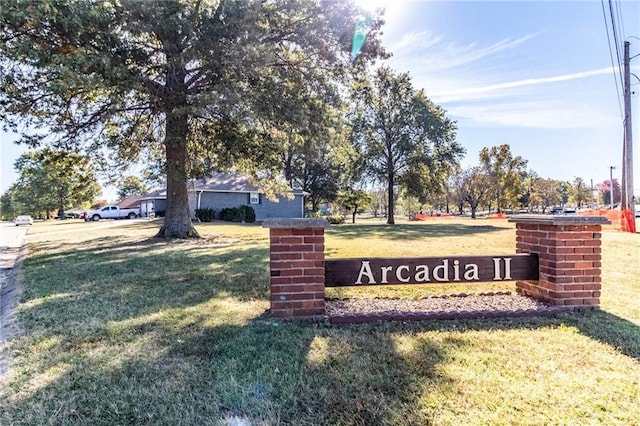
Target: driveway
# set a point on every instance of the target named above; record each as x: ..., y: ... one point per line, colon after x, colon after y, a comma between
x: 11, y: 254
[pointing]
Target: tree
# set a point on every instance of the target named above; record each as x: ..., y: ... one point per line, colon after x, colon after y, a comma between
x: 321, y: 167
x: 183, y: 82
x: 473, y: 186
x: 506, y: 174
x: 564, y: 188
x: 9, y: 208
x: 131, y: 185
x: 352, y: 200
x: 545, y: 193
x: 610, y: 187
x: 53, y: 180
x: 580, y: 193
x: 398, y: 129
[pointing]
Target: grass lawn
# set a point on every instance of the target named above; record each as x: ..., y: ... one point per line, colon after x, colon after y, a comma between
x: 120, y: 329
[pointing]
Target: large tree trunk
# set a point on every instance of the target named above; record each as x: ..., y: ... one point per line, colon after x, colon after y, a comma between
x: 177, y: 220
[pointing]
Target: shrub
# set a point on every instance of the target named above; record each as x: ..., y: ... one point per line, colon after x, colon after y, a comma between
x: 335, y: 220
x: 231, y: 214
x: 249, y: 214
x: 205, y: 215
x: 238, y: 214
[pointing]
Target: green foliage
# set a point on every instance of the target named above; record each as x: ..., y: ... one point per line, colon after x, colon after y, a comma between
x: 505, y: 173
x: 545, y: 193
x: 406, y: 139
x: 205, y: 215
x: 352, y: 200
x: 131, y: 185
x: 51, y: 180
x: 238, y: 214
x: 580, y: 193
x: 9, y: 207
x: 186, y: 86
x: 249, y: 214
x: 335, y: 219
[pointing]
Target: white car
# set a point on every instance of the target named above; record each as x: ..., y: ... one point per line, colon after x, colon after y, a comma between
x: 23, y: 220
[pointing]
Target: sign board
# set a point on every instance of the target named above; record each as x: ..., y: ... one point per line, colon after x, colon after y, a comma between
x: 430, y: 270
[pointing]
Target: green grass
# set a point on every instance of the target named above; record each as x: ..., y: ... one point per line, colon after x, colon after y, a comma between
x: 119, y: 329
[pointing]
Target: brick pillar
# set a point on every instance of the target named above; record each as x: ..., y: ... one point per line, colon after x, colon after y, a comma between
x: 297, y: 267
x: 568, y: 249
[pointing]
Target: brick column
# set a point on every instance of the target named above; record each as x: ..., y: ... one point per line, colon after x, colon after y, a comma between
x: 297, y: 267
x: 568, y: 249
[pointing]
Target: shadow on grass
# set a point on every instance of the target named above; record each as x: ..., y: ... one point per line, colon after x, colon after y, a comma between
x: 213, y: 366
x: 411, y: 231
x: 141, y: 333
x: 110, y: 281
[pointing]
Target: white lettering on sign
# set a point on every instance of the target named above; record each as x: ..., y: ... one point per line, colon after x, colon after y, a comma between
x: 365, y: 271
x: 497, y: 276
x: 446, y: 271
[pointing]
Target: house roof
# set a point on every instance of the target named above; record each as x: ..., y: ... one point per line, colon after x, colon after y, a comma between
x: 223, y: 182
x: 131, y: 201
x: 158, y: 194
x: 218, y: 182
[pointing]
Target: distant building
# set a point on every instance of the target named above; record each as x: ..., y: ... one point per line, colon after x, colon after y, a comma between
x: 223, y: 190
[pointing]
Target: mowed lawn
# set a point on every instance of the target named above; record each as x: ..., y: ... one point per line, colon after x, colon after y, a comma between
x: 117, y: 328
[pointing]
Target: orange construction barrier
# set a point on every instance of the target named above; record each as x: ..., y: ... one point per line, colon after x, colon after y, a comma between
x: 627, y: 222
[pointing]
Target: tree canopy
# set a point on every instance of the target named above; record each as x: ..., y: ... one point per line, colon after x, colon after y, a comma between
x: 131, y: 185
x: 473, y: 186
x: 191, y: 84
x: 401, y: 132
x: 52, y: 180
x: 506, y: 174
x: 545, y: 193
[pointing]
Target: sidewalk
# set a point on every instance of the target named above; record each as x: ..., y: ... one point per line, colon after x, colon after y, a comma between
x: 12, y: 252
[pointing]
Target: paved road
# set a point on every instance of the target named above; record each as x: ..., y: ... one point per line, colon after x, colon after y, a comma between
x: 11, y: 239
x: 11, y: 252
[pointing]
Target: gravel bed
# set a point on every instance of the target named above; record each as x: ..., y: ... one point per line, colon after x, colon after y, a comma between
x: 494, y: 302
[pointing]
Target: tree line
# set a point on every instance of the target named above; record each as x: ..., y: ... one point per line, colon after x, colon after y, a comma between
x: 273, y: 90
x: 52, y: 181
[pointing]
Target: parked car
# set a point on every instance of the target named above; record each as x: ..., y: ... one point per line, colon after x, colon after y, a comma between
x: 66, y: 216
x: 23, y: 220
x: 110, y: 212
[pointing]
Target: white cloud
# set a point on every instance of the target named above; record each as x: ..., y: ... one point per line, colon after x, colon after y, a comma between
x: 493, y: 90
x: 471, y: 95
x: 547, y: 115
x: 426, y: 51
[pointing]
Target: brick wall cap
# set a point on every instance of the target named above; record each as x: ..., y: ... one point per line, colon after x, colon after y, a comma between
x: 295, y: 223
x: 560, y: 219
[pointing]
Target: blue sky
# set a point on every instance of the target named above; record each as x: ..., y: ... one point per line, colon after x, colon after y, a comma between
x: 534, y: 75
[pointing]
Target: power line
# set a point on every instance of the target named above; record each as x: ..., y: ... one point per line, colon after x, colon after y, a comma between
x: 613, y: 66
x: 615, y: 38
x: 619, y: 14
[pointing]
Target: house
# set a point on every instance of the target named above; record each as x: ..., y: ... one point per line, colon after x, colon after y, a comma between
x: 131, y: 202
x: 223, y: 190
x: 153, y: 203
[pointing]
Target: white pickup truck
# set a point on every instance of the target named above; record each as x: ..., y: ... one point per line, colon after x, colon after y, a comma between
x: 110, y: 212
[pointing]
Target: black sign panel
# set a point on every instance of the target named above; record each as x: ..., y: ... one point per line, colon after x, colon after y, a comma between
x: 430, y: 270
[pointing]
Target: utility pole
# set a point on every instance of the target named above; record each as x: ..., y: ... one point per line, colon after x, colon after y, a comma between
x: 626, y: 202
x: 611, y: 185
